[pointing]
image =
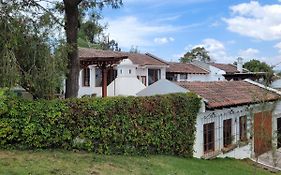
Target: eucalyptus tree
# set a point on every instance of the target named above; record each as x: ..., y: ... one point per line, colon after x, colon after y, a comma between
x: 54, y: 15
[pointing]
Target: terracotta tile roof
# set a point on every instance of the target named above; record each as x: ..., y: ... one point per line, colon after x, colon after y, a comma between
x: 228, y: 68
x: 229, y: 93
x: 187, y: 68
x: 87, y: 53
x: 136, y: 58
x: 145, y: 59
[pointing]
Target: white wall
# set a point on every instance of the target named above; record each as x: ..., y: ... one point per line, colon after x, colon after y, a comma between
x: 125, y: 86
x: 91, y: 89
x: 126, y: 83
x: 217, y: 116
x: 202, y: 77
x: 140, y: 71
x: 216, y: 74
x: 234, y: 113
x: 163, y: 73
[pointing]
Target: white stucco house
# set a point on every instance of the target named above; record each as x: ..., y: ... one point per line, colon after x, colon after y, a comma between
x: 201, y: 71
x: 194, y: 71
x: 230, y: 115
x: 125, y: 78
x: 126, y: 83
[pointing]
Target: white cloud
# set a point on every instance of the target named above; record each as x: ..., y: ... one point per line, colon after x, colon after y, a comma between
x: 129, y: 30
x: 255, y: 20
x: 249, y: 53
x: 215, y: 48
x: 278, y: 46
x: 163, y: 40
x: 215, y: 24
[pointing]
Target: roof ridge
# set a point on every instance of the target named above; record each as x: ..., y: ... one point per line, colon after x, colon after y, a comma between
x: 200, y: 67
x: 157, y: 58
x: 263, y: 86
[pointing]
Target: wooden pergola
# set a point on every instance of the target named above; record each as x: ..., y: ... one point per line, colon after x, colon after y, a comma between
x: 103, y: 59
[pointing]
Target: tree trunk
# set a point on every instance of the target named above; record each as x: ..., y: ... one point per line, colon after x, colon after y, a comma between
x: 72, y: 79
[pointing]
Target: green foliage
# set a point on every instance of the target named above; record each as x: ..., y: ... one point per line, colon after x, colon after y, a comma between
x: 27, y: 59
x: 9, y: 74
x: 198, y: 53
x: 258, y: 66
x: 119, y: 125
x: 91, y: 35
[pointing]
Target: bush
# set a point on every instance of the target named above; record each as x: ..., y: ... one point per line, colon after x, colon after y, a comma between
x: 118, y: 125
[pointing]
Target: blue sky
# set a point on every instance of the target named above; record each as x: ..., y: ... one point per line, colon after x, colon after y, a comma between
x: 227, y: 29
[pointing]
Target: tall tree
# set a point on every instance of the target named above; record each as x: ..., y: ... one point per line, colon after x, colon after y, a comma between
x: 258, y: 66
x: 92, y: 35
x: 198, y: 53
x: 71, y: 8
x: 48, y: 11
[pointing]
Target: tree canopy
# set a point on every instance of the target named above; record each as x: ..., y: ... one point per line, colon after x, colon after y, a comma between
x: 48, y: 18
x: 198, y: 53
x: 27, y: 59
x: 257, y: 66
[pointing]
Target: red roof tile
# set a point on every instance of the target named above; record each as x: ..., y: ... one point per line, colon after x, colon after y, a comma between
x: 228, y: 68
x: 145, y: 59
x: 187, y: 68
x: 136, y: 58
x: 229, y: 93
x: 88, y: 53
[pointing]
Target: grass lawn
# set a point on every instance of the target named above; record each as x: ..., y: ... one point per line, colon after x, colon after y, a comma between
x: 62, y: 162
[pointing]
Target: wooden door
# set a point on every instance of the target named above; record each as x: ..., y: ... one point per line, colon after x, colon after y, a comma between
x: 227, y: 134
x: 262, y: 132
x: 209, y: 137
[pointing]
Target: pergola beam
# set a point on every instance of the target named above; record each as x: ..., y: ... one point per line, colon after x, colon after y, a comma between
x: 102, y: 59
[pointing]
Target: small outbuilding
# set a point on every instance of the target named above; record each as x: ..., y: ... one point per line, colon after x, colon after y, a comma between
x: 232, y: 116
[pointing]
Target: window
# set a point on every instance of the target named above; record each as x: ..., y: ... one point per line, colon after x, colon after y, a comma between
x: 171, y: 76
x: 153, y: 75
x: 86, y: 77
x: 209, y: 137
x: 142, y: 79
x: 183, y: 76
x: 130, y: 71
x: 98, y: 81
x: 243, y: 128
x: 227, y: 136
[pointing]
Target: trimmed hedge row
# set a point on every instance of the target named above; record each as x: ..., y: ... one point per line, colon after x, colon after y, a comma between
x: 119, y: 125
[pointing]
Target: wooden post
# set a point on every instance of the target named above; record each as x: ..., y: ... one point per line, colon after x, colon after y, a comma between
x: 104, y: 80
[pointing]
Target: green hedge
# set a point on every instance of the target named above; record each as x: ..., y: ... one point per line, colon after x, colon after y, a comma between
x: 119, y: 125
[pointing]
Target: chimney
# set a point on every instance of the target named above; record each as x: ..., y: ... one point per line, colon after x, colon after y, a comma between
x: 240, y: 64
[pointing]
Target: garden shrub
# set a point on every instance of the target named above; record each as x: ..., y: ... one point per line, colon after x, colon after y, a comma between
x: 113, y: 125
